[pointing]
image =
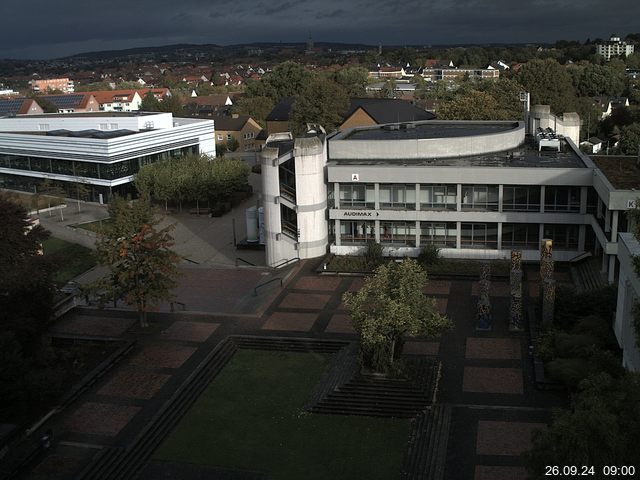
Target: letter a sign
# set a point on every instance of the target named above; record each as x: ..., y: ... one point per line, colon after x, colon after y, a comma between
x: 355, y: 177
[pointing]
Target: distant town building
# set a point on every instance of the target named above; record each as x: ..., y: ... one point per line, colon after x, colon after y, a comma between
x: 62, y: 84
x: 74, y: 102
x: 451, y: 73
x: 614, y: 47
x: 242, y: 128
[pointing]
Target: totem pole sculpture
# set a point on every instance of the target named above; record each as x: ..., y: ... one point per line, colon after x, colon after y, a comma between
x: 483, y: 316
x: 515, y: 310
x: 548, y: 284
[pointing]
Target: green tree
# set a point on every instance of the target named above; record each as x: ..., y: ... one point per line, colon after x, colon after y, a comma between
x: 389, y: 89
x: 149, y: 103
x: 473, y: 105
x: 255, y: 107
x: 601, y: 428
x: 549, y: 84
x: 143, y: 267
x: 630, y: 140
x: 389, y: 306
x: 286, y: 80
x: 232, y: 144
x: 601, y: 80
x: 54, y: 192
x: 323, y: 102
x: 354, y: 80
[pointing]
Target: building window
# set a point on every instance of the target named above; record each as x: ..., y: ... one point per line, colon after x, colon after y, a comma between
x: 565, y: 237
x: 219, y: 137
x: 521, y: 199
x: 43, y: 127
x: 438, y: 234
x: 228, y: 136
x: 480, y: 197
x: 479, y: 235
x: 520, y: 235
x: 357, y: 195
x: 398, y: 233
x: 562, y: 199
x: 289, y: 219
x: 401, y: 197
x: 357, y: 233
x: 438, y: 197
x: 287, y: 172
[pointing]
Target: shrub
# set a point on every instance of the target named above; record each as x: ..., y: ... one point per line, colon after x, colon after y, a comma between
x: 572, y: 306
x: 429, y: 255
x: 373, y: 255
x: 569, y: 345
x: 256, y: 168
x: 599, y: 328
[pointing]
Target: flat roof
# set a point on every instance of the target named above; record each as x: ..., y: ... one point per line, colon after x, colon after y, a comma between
x: 431, y: 129
x: 525, y: 156
x: 622, y: 171
x: 88, y: 133
x: 89, y: 114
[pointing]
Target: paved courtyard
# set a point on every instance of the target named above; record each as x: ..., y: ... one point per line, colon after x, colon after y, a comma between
x: 486, y: 377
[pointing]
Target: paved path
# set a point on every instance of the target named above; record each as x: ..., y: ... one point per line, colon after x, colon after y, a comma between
x: 486, y: 377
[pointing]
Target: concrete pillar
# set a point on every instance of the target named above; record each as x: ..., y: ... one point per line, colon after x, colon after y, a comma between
x: 542, y: 194
x: 612, y: 268
x: 417, y: 197
x: 338, y: 233
x: 599, y: 206
x: 500, y: 198
x: 376, y: 194
x: 377, y: 229
x: 459, y: 200
x: 614, y: 226
x: 500, y: 231
x: 336, y: 194
x: 583, y: 199
x: 418, y: 232
x: 582, y: 236
x: 541, y: 231
x: 458, y: 232
x: 603, y: 266
x: 607, y: 220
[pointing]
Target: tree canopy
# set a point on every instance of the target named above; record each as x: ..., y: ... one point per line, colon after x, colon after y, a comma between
x: 323, y: 102
x: 549, y: 83
x: 392, y: 304
x: 142, y: 265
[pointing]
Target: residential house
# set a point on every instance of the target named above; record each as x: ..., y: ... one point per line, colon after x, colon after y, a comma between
x: 608, y: 104
x: 74, y: 102
x: 376, y: 111
x: 19, y: 106
x: 242, y: 128
x: 210, y: 105
x: 592, y: 145
x: 386, y: 72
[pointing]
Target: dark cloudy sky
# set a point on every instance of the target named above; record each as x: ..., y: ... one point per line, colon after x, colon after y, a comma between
x: 54, y: 28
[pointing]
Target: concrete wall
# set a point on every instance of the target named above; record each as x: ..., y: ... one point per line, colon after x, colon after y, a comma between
x: 86, y: 121
x: 568, y: 124
x: 447, y: 147
x: 628, y: 294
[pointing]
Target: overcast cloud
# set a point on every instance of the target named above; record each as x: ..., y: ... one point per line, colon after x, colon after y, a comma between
x: 46, y: 29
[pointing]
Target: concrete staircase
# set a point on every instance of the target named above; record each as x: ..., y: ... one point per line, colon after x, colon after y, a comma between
x: 586, y: 275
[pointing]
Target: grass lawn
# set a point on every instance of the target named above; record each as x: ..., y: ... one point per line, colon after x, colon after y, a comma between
x: 71, y: 259
x: 93, y: 226
x: 251, y: 418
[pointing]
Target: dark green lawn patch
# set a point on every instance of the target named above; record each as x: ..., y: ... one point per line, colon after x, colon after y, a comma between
x: 251, y: 418
x: 70, y: 259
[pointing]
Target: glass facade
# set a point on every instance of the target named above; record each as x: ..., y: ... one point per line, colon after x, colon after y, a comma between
x: 438, y: 197
x: 98, y: 170
x: 356, y: 233
x: 289, y: 220
x: 398, y: 233
x: 479, y: 235
x: 521, y: 198
x: 398, y: 197
x: 438, y: 234
x: 562, y: 199
x: 521, y: 236
x: 480, y: 197
x: 565, y: 237
x: 357, y: 195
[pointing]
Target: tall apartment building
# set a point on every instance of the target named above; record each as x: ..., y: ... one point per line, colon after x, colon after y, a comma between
x: 63, y: 84
x: 614, y: 47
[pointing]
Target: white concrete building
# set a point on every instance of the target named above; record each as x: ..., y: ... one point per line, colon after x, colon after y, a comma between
x: 614, y: 47
x: 628, y: 296
x: 102, y: 150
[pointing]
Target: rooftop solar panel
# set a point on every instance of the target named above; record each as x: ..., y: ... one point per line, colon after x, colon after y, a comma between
x: 11, y: 106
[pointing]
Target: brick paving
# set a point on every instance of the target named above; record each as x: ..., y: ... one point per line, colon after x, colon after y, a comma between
x: 356, y: 284
x: 340, y: 323
x: 163, y: 356
x: 493, y: 348
x: 318, y: 283
x: 100, y: 418
x: 93, y: 326
x: 485, y: 472
x: 295, y: 322
x: 310, y: 301
x: 496, y: 289
x: 129, y: 383
x: 437, y: 287
x: 504, y: 438
x: 421, y: 348
x: 492, y: 380
x: 190, y: 331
